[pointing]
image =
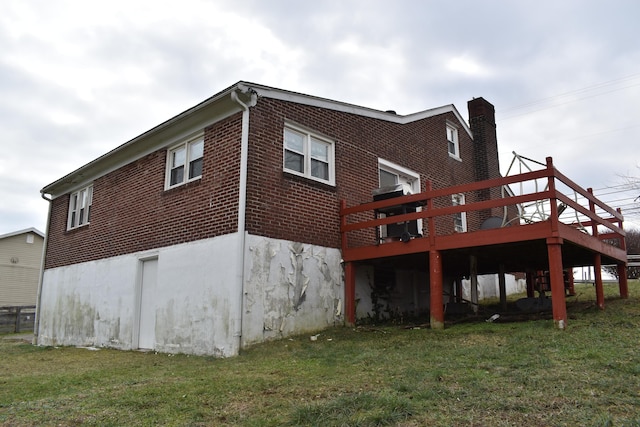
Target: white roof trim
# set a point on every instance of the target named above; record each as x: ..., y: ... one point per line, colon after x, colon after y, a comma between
x: 25, y: 231
x: 299, y: 98
x: 132, y: 149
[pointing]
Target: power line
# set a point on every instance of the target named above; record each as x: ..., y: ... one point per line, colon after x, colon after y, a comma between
x: 574, y: 92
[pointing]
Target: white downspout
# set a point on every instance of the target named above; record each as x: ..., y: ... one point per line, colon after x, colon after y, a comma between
x: 242, y: 207
x: 36, y: 321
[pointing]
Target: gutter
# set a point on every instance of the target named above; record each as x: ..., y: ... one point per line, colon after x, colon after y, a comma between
x: 36, y: 321
x: 242, y: 202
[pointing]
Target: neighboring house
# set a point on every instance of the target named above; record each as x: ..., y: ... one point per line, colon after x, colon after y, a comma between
x: 20, y: 264
x: 220, y: 227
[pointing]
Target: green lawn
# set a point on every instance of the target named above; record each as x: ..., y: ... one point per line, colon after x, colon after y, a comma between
x: 473, y: 373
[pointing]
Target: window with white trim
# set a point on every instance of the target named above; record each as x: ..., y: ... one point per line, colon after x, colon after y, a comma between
x: 459, y: 218
x: 184, y: 162
x: 452, y: 141
x: 80, y: 207
x: 390, y: 174
x: 308, y: 155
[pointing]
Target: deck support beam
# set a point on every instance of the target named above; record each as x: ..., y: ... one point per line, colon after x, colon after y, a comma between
x: 473, y: 273
x: 350, y: 293
x: 554, y: 252
x: 597, y: 271
x: 436, y: 303
x: 530, y: 283
x: 622, y: 281
x: 502, y: 286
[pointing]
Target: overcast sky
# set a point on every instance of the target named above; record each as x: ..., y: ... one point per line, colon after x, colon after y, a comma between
x: 79, y: 78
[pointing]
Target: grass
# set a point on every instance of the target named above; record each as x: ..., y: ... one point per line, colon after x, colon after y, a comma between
x: 473, y: 373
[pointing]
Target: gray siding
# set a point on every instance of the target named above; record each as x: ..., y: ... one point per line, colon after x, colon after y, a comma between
x: 20, y: 269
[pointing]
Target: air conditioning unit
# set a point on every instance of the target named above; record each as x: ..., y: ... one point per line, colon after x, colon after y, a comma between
x: 403, y: 231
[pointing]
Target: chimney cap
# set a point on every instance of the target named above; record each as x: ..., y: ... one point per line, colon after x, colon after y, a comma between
x: 480, y: 107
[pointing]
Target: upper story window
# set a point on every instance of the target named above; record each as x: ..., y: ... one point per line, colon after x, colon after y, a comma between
x: 452, y: 141
x: 460, y: 218
x: 80, y: 207
x: 184, y: 162
x: 309, y: 155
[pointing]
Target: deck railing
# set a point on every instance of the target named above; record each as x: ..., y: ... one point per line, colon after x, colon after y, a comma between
x: 560, y: 201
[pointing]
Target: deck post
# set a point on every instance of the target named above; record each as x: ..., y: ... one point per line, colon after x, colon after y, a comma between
x: 597, y: 271
x: 622, y: 281
x: 572, y: 286
x: 531, y: 278
x: 350, y: 293
x: 435, y: 283
x: 502, y: 285
x: 458, y: 288
x: 473, y: 273
x: 622, y: 267
x: 559, y: 306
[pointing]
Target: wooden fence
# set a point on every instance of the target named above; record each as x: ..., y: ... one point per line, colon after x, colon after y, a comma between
x: 14, y: 319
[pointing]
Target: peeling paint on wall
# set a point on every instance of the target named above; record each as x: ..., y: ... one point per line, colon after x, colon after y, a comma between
x: 297, y: 279
x: 290, y: 288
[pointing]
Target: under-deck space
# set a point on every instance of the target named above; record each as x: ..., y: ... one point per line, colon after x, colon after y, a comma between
x: 550, y: 226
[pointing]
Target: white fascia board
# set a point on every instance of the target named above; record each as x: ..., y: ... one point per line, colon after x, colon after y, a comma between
x: 25, y: 231
x: 166, y: 134
x: 313, y: 101
x: 204, y: 114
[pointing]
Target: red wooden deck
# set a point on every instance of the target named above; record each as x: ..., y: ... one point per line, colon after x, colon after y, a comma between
x: 570, y: 228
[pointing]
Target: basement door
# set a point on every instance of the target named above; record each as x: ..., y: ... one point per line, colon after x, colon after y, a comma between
x: 147, y: 309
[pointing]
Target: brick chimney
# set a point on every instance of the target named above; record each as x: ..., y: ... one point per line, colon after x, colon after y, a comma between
x: 482, y: 121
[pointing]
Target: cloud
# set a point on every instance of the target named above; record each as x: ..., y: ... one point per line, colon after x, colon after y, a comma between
x: 80, y: 78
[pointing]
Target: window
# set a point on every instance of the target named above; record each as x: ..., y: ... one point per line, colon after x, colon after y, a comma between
x: 391, y: 174
x: 460, y: 218
x: 452, y: 140
x: 80, y: 208
x: 184, y: 162
x: 29, y: 238
x: 308, y: 155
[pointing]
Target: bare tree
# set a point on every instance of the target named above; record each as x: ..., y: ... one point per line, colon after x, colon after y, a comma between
x: 632, y: 241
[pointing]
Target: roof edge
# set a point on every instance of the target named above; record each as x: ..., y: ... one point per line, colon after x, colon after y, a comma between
x: 261, y: 91
x: 48, y: 189
x: 316, y: 101
x: 25, y: 231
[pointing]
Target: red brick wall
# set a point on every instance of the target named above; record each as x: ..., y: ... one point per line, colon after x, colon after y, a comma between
x: 132, y: 212
x: 284, y: 206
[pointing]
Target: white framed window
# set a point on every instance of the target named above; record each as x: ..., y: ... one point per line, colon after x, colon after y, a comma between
x: 184, y: 162
x: 452, y: 141
x: 392, y: 174
x: 80, y: 208
x: 460, y: 218
x: 308, y: 155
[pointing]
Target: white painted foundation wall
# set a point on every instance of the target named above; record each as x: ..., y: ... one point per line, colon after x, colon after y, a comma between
x: 289, y: 288
x: 488, y: 286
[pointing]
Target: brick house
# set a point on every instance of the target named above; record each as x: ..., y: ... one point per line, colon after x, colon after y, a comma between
x: 220, y: 227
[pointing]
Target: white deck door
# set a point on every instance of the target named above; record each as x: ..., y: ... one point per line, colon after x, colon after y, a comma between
x: 147, y: 332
